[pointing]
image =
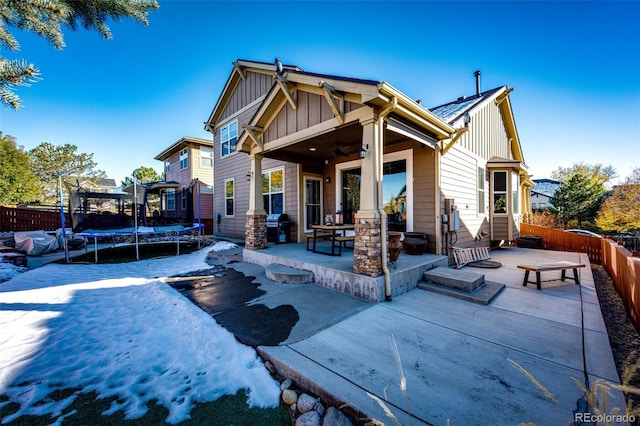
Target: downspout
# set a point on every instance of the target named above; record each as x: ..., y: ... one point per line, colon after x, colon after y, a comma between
x: 383, y: 217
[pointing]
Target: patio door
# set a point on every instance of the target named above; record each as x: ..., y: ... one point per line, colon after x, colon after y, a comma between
x: 397, y: 190
x: 312, y: 202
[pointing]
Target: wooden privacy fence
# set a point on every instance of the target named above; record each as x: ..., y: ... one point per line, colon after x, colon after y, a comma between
x: 624, y: 270
x: 622, y: 267
x: 20, y: 219
x: 557, y: 239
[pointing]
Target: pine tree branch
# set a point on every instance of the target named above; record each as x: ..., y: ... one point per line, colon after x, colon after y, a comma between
x: 13, y: 74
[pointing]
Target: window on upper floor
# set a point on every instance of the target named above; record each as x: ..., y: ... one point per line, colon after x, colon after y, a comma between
x: 228, y: 139
x: 184, y: 159
x: 167, y: 166
x: 206, y: 156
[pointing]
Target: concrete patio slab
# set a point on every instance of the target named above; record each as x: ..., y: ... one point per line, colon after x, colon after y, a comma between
x: 459, y: 359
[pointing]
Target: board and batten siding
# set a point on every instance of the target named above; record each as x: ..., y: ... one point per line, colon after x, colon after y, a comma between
x: 237, y: 165
x: 459, y: 180
x: 487, y: 136
x: 312, y: 109
x: 254, y: 86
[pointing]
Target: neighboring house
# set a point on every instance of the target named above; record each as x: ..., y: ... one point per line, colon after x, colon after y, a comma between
x: 107, y: 186
x: 542, y: 193
x: 188, y: 171
x: 307, y: 144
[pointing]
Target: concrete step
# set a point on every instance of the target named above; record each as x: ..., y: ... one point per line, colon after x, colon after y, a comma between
x: 288, y: 275
x: 483, y: 294
x: 462, y: 280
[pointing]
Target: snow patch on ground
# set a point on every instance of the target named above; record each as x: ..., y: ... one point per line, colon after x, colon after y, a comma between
x: 119, y: 330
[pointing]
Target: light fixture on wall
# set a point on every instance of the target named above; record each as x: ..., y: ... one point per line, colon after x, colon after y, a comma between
x: 363, y: 150
x: 327, y: 179
x: 249, y: 175
x: 467, y: 120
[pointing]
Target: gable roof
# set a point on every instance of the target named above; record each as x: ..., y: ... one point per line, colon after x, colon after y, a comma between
x: 106, y: 182
x: 181, y: 143
x: 453, y: 111
x: 234, y: 78
x: 443, y: 121
x: 546, y: 187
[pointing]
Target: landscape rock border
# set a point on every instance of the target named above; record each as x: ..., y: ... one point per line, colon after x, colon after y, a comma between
x: 319, y: 410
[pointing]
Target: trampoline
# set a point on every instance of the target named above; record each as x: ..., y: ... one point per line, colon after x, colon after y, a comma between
x: 118, y: 216
x: 144, y: 231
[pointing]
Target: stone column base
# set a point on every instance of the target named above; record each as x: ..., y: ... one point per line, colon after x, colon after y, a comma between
x: 256, y: 232
x: 367, y: 251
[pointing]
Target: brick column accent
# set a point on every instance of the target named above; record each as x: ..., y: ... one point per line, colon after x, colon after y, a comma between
x: 367, y: 251
x: 256, y: 232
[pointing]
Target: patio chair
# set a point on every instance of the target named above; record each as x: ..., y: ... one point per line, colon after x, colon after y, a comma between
x: 477, y: 257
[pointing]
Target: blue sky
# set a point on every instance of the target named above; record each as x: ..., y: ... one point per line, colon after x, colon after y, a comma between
x: 574, y: 65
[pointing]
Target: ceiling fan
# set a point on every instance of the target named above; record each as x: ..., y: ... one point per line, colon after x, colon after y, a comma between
x: 339, y: 152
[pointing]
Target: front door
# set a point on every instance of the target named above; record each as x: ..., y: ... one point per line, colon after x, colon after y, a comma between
x: 312, y: 202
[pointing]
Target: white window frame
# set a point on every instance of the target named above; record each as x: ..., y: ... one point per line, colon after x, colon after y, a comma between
x: 206, y: 157
x: 504, y: 192
x: 232, y: 197
x: 227, y: 139
x: 184, y: 159
x: 406, y: 155
x: 515, y: 193
x: 269, y: 193
x: 171, y: 199
x: 167, y: 166
x: 481, y: 186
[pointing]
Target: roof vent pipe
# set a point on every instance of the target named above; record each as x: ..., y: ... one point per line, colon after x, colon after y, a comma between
x: 476, y: 74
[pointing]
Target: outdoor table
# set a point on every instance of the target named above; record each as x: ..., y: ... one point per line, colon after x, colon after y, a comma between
x: 334, y: 229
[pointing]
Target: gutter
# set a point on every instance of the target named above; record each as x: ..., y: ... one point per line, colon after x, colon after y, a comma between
x: 383, y: 217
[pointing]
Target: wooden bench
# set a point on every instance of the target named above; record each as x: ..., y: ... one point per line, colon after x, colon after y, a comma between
x: 342, y: 241
x: 319, y: 235
x: 552, y: 266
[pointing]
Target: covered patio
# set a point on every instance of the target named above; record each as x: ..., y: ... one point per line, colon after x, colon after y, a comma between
x: 336, y: 272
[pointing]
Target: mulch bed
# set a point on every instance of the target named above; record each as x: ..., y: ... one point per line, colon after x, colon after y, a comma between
x: 623, y: 336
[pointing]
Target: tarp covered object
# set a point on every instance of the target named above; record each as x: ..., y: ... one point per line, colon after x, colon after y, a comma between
x: 35, y: 242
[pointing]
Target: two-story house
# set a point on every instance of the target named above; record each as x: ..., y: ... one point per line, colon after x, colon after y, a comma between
x: 187, y: 190
x: 308, y: 144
